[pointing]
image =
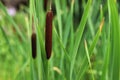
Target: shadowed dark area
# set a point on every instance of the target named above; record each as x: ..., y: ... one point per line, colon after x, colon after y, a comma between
x: 15, y: 3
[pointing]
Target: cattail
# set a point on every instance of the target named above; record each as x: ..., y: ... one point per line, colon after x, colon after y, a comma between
x: 45, y: 4
x: 48, y: 34
x: 33, y: 41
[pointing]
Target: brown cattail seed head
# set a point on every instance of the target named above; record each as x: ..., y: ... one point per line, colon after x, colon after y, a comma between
x: 33, y: 40
x: 48, y: 34
x: 33, y: 43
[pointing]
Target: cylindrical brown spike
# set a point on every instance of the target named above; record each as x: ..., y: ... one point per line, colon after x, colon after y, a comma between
x: 45, y: 4
x: 33, y: 43
x: 48, y: 34
x: 33, y: 40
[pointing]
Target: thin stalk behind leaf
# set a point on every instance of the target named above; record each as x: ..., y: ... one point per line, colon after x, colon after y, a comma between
x: 45, y: 4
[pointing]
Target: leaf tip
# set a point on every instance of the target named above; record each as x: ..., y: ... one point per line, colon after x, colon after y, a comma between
x: 101, y: 24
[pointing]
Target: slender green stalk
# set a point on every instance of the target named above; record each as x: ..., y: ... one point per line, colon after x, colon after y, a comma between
x: 88, y: 57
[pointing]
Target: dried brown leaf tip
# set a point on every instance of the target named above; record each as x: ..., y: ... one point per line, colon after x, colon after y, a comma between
x: 33, y: 41
x: 101, y: 24
x: 48, y: 34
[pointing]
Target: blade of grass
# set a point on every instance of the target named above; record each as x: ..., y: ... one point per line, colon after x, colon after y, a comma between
x: 64, y: 8
x: 59, y: 19
x: 7, y: 41
x: 88, y: 57
x: 42, y: 60
x: 39, y: 61
x: 90, y: 23
x: 72, y: 29
x: 66, y: 54
x: 79, y: 35
x: 57, y: 4
x: 82, y: 69
x: 68, y: 23
x: 22, y: 68
x: 33, y: 18
x: 40, y: 69
x: 43, y: 55
x: 96, y: 37
x: 115, y: 40
x: 51, y: 72
x: 67, y: 57
x: 106, y: 60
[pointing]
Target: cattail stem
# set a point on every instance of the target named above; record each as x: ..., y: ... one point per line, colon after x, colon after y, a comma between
x: 45, y: 4
x: 48, y: 34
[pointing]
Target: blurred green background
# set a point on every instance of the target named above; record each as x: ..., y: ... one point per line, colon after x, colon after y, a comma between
x: 85, y: 40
